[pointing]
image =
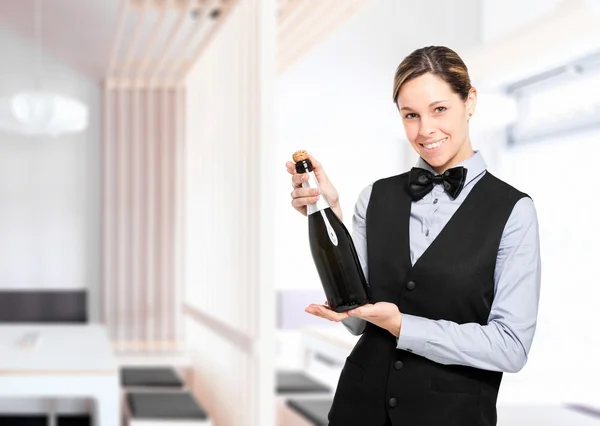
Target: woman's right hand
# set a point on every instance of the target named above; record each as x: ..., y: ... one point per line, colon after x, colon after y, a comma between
x: 301, y: 197
x: 324, y: 311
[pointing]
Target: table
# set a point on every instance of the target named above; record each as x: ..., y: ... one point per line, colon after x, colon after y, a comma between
x: 61, y: 361
x: 332, y: 344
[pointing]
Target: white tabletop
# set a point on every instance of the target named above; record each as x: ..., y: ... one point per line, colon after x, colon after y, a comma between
x: 334, y: 335
x: 55, y: 349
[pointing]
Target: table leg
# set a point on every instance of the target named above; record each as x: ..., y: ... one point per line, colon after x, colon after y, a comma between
x: 107, y: 410
x: 52, y: 412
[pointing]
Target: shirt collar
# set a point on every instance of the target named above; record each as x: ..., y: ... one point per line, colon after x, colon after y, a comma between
x: 475, y: 165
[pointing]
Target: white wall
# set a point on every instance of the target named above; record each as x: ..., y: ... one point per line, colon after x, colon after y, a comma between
x: 49, y: 188
x: 337, y: 104
x: 228, y: 227
x: 562, y: 366
x: 499, y: 18
x: 563, y: 362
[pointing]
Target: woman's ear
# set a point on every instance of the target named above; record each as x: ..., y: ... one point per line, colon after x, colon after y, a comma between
x: 471, y: 102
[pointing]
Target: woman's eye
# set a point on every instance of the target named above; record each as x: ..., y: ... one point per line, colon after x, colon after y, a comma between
x: 440, y: 109
x: 410, y: 115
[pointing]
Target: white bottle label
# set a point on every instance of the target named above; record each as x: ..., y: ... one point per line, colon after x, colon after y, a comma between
x: 330, y: 231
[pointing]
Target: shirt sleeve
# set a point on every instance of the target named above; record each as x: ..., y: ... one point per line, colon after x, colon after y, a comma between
x: 356, y: 325
x: 503, y: 344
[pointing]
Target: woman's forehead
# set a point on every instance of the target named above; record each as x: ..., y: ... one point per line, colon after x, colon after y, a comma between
x: 424, y: 90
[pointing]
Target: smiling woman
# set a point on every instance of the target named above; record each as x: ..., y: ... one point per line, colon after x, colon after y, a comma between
x: 451, y: 255
x: 436, y: 103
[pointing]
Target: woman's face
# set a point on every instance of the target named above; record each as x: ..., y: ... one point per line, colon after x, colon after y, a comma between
x: 436, y: 120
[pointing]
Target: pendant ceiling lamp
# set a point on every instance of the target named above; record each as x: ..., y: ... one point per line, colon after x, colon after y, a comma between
x: 35, y: 112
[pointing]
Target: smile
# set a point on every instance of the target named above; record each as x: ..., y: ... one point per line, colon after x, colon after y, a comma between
x: 434, y: 144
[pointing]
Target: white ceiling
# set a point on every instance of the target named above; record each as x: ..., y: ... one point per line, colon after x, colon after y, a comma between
x: 79, y: 32
x: 82, y: 32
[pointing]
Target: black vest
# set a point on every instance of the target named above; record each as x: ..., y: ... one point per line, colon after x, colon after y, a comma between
x: 453, y: 280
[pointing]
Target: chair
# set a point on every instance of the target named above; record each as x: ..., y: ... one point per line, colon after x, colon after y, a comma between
x: 298, y: 396
x: 151, y: 377
x: 314, y: 410
x: 298, y: 382
x: 165, y: 409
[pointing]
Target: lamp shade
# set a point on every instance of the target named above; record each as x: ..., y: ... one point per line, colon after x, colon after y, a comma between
x: 36, y: 113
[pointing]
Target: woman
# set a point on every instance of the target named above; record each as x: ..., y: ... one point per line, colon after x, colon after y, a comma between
x: 452, y: 257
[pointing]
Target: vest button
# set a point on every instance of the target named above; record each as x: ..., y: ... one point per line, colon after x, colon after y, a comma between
x: 398, y: 365
x: 411, y: 285
x: 392, y: 402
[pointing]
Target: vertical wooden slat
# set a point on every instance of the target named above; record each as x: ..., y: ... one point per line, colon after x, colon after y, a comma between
x: 181, y: 203
x: 150, y: 224
x: 237, y: 137
x: 330, y: 19
x: 289, y: 22
x: 133, y: 40
x: 134, y: 316
x: 126, y: 217
x: 245, y: 115
x: 164, y: 207
x: 144, y: 178
x: 107, y: 212
x: 173, y: 283
x: 169, y: 250
x: 317, y: 17
x: 117, y: 41
x: 142, y: 181
x: 119, y: 219
x: 143, y: 298
x: 172, y: 36
x: 159, y: 220
x: 179, y: 52
x: 184, y: 69
x: 150, y: 45
x: 251, y: 168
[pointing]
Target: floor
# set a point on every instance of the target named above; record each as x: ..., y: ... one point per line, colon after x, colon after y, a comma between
x: 43, y: 421
x: 547, y: 416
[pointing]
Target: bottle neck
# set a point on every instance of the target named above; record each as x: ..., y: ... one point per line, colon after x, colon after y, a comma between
x: 305, y: 166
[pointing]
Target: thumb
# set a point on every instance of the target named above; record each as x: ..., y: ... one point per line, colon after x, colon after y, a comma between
x: 319, y: 171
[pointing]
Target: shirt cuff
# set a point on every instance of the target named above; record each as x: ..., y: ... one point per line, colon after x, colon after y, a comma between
x: 413, y: 334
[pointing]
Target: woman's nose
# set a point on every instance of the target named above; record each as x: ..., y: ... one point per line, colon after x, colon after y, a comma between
x: 427, y: 127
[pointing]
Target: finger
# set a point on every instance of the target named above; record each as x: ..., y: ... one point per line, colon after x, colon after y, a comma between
x: 316, y: 164
x: 291, y: 167
x: 355, y: 312
x: 318, y: 169
x: 305, y: 192
x: 298, y: 203
x: 363, y: 311
x: 325, y: 312
x: 298, y: 178
x: 321, y: 314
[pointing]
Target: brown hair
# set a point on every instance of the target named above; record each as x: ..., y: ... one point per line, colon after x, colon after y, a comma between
x: 438, y: 60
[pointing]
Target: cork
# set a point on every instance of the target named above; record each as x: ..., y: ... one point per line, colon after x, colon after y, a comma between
x: 300, y: 155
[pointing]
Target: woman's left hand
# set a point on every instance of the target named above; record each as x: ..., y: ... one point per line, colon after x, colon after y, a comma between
x: 383, y: 314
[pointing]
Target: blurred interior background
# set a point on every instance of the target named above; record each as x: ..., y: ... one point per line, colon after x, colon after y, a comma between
x: 151, y: 267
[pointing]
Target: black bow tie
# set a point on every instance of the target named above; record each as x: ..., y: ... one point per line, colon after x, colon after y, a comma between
x: 421, y: 181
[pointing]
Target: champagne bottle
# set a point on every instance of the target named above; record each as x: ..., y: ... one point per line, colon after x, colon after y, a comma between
x: 332, y: 249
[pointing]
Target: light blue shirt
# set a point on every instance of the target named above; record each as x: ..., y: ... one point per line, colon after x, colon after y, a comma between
x: 501, y: 345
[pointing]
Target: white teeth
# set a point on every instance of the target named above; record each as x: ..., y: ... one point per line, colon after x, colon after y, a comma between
x: 435, y: 144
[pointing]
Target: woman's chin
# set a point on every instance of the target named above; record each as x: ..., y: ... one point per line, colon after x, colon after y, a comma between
x: 434, y: 159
